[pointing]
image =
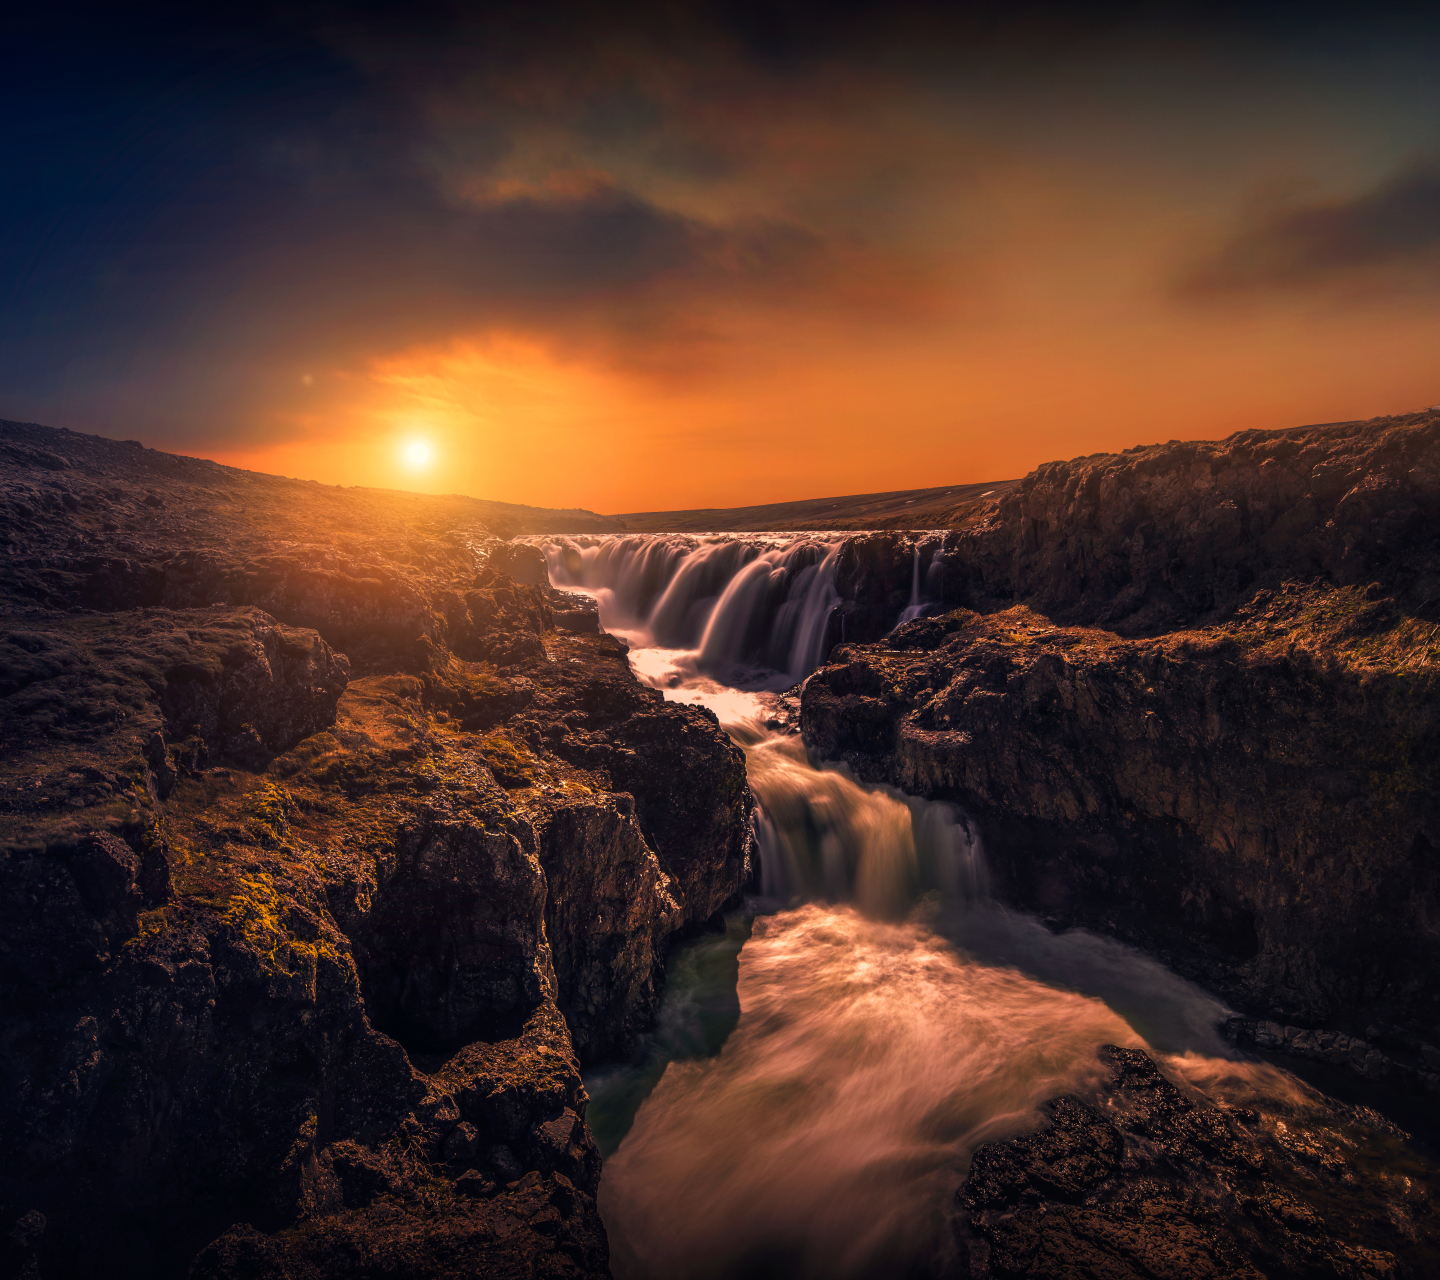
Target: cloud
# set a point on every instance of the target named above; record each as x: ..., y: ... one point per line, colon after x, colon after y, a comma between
x: 1387, y: 238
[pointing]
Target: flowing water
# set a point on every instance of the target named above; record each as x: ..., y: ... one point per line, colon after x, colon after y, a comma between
x: 821, y: 1074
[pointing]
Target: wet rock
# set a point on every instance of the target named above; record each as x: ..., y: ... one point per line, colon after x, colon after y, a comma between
x: 573, y: 611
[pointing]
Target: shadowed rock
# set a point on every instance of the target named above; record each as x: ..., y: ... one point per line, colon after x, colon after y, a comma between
x: 1142, y: 1183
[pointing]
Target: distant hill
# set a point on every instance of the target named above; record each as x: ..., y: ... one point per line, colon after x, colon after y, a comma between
x: 208, y: 502
x: 899, y: 509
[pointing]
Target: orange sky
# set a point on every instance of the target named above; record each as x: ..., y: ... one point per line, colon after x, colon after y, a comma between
x: 661, y: 268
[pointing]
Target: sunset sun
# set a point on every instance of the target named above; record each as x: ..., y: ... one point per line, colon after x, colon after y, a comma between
x: 417, y: 455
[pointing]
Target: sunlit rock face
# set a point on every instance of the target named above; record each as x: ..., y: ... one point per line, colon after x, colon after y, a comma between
x: 318, y: 824
x: 1165, y: 536
x: 1252, y: 791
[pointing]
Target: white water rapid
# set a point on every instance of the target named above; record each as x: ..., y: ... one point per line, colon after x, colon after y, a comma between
x: 820, y: 1075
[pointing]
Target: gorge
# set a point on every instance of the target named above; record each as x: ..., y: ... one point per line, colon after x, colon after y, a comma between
x: 346, y: 830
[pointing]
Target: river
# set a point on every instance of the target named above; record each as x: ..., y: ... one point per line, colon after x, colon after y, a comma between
x: 821, y: 1073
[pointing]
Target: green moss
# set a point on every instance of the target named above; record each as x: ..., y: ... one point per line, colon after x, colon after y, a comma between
x: 512, y: 763
x: 261, y: 915
x: 271, y: 809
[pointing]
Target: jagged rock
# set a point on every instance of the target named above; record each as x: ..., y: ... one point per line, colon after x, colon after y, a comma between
x: 609, y: 909
x: 1215, y: 796
x: 1142, y: 1183
x: 278, y: 994
x: 1162, y: 536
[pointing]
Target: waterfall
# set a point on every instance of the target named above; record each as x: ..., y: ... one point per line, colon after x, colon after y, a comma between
x: 914, y: 609
x: 731, y: 601
x: 820, y: 1075
x: 823, y: 836
x: 705, y: 614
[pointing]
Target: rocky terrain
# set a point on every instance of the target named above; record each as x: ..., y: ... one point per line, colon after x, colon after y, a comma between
x: 1141, y: 1182
x: 1192, y: 693
x: 334, y: 842
x: 937, y: 508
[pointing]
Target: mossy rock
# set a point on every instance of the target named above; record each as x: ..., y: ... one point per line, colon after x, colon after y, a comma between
x: 512, y: 763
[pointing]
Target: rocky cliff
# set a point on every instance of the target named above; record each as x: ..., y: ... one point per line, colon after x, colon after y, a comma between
x: 1193, y: 695
x: 333, y: 842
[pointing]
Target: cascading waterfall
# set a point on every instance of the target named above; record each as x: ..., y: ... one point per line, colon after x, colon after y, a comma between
x: 732, y: 602
x: 822, y: 837
x: 891, y: 1016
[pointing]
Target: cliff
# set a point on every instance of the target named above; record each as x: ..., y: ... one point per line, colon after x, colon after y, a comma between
x: 1192, y: 693
x: 333, y: 843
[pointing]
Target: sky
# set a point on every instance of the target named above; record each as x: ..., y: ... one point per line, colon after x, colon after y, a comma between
x: 647, y: 257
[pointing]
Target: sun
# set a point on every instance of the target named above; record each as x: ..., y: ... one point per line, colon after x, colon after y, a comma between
x: 417, y: 455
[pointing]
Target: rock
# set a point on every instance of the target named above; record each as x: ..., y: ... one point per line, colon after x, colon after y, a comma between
x: 520, y: 562
x: 610, y: 908
x: 463, y: 1142
x: 1163, y: 536
x: 289, y: 776
x: 1139, y: 1181
x: 573, y: 611
x: 475, y: 1184
x: 1212, y: 795
x: 501, y: 1160
x: 20, y: 1243
x: 242, y: 1253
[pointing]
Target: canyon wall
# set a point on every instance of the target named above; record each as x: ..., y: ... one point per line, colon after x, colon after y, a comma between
x: 1192, y: 692
x: 331, y: 847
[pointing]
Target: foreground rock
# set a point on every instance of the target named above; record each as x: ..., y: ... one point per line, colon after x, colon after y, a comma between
x: 1252, y: 792
x: 1140, y: 1182
x: 329, y: 850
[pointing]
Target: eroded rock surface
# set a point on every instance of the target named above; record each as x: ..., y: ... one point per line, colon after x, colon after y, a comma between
x: 321, y: 815
x: 1142, y: 1182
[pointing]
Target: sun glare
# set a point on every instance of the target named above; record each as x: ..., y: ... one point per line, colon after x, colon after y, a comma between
x: 417, y: 455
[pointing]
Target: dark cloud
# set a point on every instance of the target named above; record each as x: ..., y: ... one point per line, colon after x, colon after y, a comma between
x: 236, y: 197
x: 207, y: 197
x: 1389, y: 236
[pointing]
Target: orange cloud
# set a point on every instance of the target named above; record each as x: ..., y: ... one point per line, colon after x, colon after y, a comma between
x: 513, y: 418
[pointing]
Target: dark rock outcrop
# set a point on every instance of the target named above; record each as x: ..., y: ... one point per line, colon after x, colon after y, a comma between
x: 1253, y: 795
x: 1164, y: 536
x: 1143, y: 1183
x: 290, y: 940
x: 1175, y: 535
